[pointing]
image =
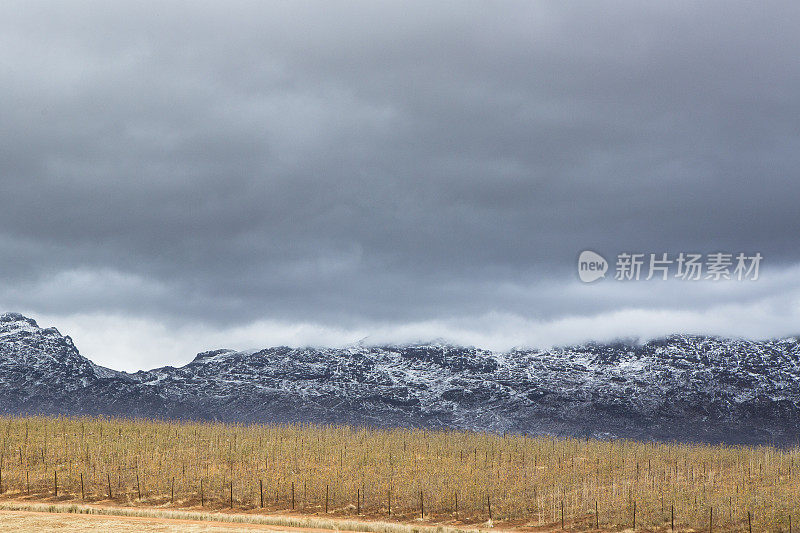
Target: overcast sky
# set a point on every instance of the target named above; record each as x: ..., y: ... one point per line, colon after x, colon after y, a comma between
x: 182, y: 176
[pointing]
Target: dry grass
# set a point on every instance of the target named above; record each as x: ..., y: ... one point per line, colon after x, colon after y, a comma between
x: 10, y: 511
x: 525, y: 480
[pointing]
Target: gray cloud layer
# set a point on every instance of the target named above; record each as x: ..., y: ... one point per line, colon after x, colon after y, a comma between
x: 352, y: 164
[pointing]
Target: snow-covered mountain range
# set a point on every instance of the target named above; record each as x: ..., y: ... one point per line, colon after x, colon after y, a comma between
x: 680, y: 387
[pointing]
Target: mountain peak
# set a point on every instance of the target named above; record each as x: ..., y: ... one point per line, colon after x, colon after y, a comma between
x: 17, y: 321
x: 211, y: 354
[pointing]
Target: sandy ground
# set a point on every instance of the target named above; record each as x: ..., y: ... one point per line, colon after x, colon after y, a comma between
x: 31, y: 521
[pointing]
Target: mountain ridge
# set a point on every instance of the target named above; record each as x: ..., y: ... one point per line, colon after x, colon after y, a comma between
x: 680, y: 387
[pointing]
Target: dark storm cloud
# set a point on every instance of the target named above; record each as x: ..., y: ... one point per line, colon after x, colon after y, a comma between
x: 348, y: 162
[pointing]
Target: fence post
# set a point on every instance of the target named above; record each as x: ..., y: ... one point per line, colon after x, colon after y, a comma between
x: 749, y: 523
x: 202, y: 500
x: 326, y: 498
x: 596, y: 516
x: 82, y: 496
x: 292, y: 495
x: 55, y: 483
x: 710, y: 518
x: 261, y: 491
x: 562, y: 514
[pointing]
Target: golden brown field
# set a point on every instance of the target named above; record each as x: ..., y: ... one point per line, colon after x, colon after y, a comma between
x: 437, y: 477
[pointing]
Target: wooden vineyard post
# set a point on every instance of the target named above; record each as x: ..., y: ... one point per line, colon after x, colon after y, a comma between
x: 292, y: 495
x: 749, y: 523
x: 55, y: 483
x: 261, y: 491
x: 672, y: 516
x: 138, y: 488
x: 562, y: 514
x: 596, y: 516
x: 456, y: 497
x: 710, y: 518
x: 82, y: 495
x: 202, y: 500
x: 358, y: 501
x: 421, y: 505
x: 231, y: 486
x: 326, y: 499
x: 172, y: 491
x: 390, y: 500
x: 489, y: 505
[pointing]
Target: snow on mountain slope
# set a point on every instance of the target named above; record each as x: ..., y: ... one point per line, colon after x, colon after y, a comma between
x: 31, y: 356
x: 680, y: 387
